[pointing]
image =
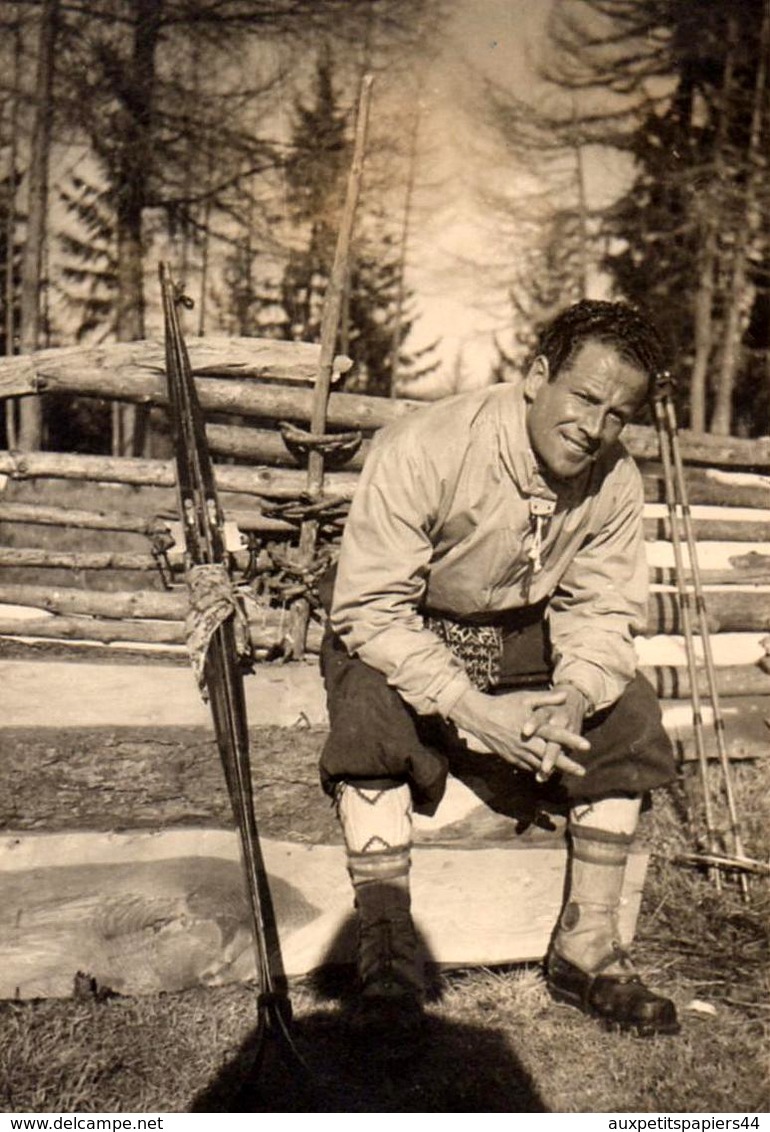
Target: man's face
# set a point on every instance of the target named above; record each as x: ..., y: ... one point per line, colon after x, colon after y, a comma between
x: 573, y: 418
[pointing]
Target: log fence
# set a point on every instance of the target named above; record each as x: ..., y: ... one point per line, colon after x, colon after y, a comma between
x: 120, y: 582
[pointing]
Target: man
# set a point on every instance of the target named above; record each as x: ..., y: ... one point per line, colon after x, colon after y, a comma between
x: 495, y: 535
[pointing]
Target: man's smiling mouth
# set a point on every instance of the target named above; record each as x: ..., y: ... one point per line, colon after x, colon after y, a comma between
x: 578, y: 448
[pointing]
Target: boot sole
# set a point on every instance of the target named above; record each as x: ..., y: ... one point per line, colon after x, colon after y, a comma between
x: 639, y: 1029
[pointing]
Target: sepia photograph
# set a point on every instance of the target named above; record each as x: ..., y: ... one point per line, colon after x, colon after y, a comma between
x: 384, y: 558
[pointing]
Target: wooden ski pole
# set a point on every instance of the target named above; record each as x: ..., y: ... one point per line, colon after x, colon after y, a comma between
x: 329, y: 328
x: 660, y: 393
x: 669, y: 412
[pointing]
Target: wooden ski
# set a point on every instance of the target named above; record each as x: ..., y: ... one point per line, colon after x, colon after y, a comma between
x: 222, y: 672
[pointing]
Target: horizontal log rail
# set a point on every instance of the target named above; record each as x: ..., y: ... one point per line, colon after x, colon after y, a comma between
x: 702, y: 448
x: 32, y: 557
x: 50, y: 515
x: 142, y: 604
x: 38, y: 514
x: 136, y: 561
x: 133, y: 372
x: 103, y: 630
x: 222, y: 395
x: 670, y: 682
x: 706, y: 486
x: 265, y: 636
x: 270, y: 483
x: 125, y: 364
x: 673, y: 683
x: 288, y: 484
x: 711, y: 530
x: 727, y: 610
x: 752, y: 570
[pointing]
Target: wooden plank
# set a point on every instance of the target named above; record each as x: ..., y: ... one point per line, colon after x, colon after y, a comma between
x: 62, y: 694
x: 141, y: 923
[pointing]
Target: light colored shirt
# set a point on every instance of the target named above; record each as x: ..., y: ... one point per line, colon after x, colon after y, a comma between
x: 442, y: 520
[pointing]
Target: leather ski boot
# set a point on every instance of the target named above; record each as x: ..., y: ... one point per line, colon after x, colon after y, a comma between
x: 587, y: 967
x: 377, y: 828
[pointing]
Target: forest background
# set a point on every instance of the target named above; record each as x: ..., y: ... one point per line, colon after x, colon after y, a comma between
x: 522, y: 154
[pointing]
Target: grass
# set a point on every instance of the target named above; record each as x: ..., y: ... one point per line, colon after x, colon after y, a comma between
x: 493, y: 1040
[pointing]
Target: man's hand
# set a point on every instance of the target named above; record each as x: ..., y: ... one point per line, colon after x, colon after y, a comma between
x: 520, y: 728
x: 567, y: 716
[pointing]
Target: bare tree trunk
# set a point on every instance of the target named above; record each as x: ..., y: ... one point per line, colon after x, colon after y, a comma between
x: 704, y: 298
x: 9, y: 283
x: 703, y: 327
x: 406, y: 223
x: 580, y: 180
x: 128, y: 421
x: 206, y: 237
x: 721, y: 421
x: 30, y: 415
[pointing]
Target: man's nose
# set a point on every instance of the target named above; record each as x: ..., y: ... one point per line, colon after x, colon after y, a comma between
x: 593, y: 422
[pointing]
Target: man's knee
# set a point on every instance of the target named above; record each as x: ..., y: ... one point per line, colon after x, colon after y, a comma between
x: 630, y: 750
x: 374, y: 736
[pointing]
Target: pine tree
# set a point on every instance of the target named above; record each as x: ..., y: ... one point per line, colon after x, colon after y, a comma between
x: 690, y: 238
x: 377, y: 316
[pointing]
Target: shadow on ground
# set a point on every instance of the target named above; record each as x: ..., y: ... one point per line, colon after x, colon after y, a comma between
x: 349, y: 1072
x: 435, y: 1066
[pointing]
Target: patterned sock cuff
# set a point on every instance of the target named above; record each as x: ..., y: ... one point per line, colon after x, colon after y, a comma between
x: 599, y: 846
x: 371, y: 865
x: 375, y: 820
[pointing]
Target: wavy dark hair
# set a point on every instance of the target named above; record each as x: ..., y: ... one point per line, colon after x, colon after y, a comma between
x: 619, y: 325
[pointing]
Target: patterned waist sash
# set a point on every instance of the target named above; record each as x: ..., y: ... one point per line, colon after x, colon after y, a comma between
x: 478, y: 647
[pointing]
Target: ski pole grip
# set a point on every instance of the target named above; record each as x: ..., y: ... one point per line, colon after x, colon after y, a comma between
x: 663, y: 385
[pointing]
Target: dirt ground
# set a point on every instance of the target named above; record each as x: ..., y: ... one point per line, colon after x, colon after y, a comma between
x: 132, y: 778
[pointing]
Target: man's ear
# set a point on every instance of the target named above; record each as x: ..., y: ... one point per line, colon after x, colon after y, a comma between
x: 535, y: 377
